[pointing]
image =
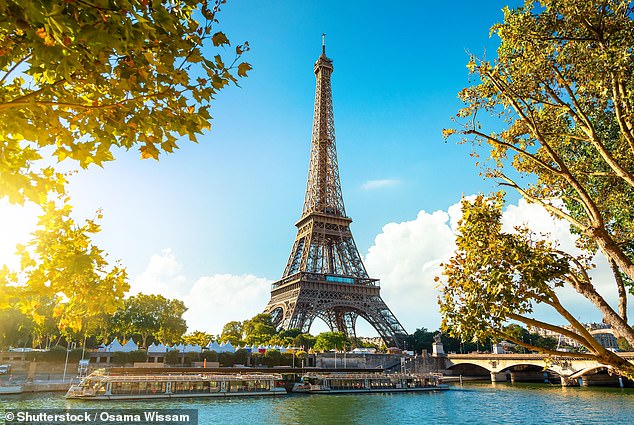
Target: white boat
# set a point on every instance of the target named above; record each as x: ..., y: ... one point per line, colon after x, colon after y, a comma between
x: 101, y: 385
x: 335, y: 383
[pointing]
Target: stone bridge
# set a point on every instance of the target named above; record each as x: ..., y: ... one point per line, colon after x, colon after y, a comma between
x: 503, y: 367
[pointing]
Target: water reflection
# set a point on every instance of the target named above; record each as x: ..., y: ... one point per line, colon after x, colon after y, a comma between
x: 472, y: 403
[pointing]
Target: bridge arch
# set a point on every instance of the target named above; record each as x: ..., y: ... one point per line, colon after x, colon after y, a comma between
x: 469, y: 369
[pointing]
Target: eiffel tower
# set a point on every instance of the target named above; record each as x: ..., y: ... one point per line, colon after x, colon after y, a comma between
x: 324, y: 276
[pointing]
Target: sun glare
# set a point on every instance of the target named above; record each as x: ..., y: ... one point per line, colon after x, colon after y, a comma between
x: 16, y: 225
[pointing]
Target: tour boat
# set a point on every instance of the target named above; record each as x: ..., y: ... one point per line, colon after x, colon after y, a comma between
x: 335, y: 383
x: 101, y: 385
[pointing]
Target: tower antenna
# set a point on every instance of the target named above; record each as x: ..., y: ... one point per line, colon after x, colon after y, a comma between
x: 323, y: 44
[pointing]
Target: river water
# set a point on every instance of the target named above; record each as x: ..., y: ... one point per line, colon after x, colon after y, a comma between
x: 524, y: 404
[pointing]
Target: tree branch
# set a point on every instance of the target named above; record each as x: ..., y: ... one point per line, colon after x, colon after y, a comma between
x: 513, y: 148
x: 14, y: 104
x: 556, y: 211
x: 590, y: 131
x: 593, y: 344
x: 624, y: 126
x: 543, y: 325
x: 543, y: 349
x: 18, y: 63
x: 620, y: 286
x: 589, y: 205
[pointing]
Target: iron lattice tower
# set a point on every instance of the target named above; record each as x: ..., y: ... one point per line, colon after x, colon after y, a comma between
x: 325, y: 276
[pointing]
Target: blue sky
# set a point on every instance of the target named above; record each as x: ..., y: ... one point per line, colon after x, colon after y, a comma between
x: 214, y: 222
x: 228, y: 204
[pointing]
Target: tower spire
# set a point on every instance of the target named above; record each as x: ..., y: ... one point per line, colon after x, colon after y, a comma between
x: 323, y: 189
x: 323, y: 44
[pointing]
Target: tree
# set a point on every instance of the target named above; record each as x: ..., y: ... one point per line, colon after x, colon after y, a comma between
x: 63, y: 267
x: 151, y: 316
x: 82, y: 79
x: 496, y: 277
x: 232, y: 332
x: 420, y: 340
x: 287, y: 336
x: 304, y: 341
x: 327, y: 341
x: 562, y: 87
x: 197, y: 338
x: 259, y: 329
x: 15, y: 329
x: 140, y: 316
x: 172, y: 326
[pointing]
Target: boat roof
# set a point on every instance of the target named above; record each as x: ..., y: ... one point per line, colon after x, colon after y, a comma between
x: 379, y: 375
x: 101, y: 375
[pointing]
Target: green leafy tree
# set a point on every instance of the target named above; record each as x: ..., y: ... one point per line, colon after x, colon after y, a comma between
x: 495, y: 277
x: 420, y: 340
x: 151, y: 316
x: 140, y: 316
x: 259, y: 329
x: 241, y: 357
x: 289, y: 333
x: 197, y: 338
x: 82, y: 79
x: 172, y: 357
x: 121, y: 322
x: 327, y: 341
x: 272, y: 357
x: 172, y: 326
x: 277, y: 340
x: 306, y: 341
x: 232, y: 332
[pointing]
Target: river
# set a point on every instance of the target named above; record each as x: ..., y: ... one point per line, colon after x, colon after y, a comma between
x: 524, y: 404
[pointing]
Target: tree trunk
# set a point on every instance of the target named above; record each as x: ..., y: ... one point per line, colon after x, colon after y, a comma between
x: 620, y: 286
x: 612, y: 251
x: 610, y: 316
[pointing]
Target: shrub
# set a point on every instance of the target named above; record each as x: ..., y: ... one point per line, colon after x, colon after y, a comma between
x: 210, y: 356
x: 172, y: 357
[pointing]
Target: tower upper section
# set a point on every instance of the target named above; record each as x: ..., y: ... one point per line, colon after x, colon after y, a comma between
x: 323, y: 190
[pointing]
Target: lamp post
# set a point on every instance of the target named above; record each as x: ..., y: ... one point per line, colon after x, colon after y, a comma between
x: 69, y: 346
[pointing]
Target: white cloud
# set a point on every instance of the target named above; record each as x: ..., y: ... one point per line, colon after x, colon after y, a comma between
x: 161, y: 276
x: 212, y: 301
x: 218, y: 299
x: 406, y: 257
x: 379, y: 184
